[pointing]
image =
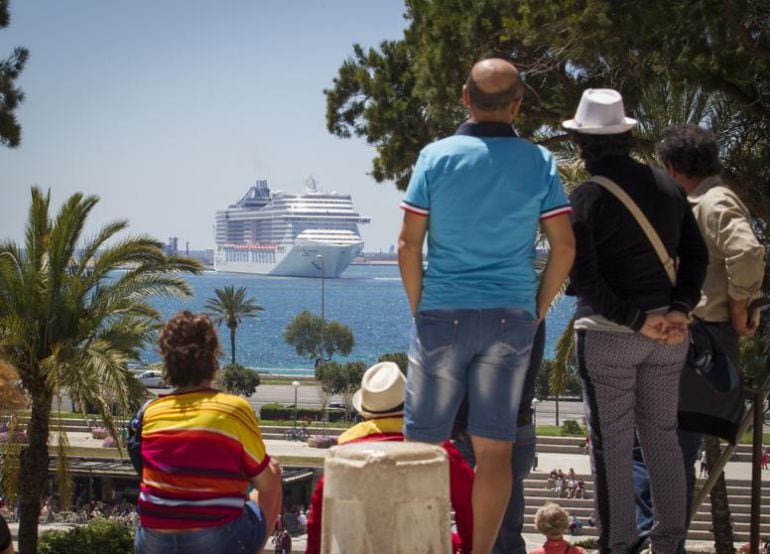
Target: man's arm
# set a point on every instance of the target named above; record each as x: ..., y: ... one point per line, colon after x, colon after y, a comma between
x: 558, y: 231
x: 410, y: 242
x: 744, y: 258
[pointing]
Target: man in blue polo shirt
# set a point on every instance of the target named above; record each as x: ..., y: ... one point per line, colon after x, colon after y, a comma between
x: 479, y: 196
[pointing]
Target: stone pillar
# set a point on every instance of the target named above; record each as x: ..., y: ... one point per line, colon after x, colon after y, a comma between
x: 386, y: 498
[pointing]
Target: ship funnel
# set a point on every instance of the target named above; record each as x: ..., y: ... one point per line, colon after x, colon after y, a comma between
x: 311, y: 185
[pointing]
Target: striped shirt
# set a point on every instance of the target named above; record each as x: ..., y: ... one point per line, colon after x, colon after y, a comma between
x: 199, y: 449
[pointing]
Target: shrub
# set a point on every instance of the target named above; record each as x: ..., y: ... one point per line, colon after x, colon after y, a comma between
x: 588, y: 543
x: 399, y: 358
x: 109, y: 442
x: 572, y: 427
x: 237, y: 379
x: 98, y: 537
x: 278, y: 412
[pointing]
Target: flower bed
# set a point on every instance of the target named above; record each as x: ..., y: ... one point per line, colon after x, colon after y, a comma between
x: 16, y: 436
x: 322, y: 441
x: 100, y: 433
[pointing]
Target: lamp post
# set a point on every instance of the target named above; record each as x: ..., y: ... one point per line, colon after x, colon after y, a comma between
x: 323, y: 320
x: 296, y: 385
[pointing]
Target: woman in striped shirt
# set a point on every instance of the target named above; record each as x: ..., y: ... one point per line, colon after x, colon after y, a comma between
x: 200, y: 450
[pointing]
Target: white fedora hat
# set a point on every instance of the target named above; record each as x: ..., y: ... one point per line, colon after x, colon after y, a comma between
x: 600, y: 112
x: 382, y: 391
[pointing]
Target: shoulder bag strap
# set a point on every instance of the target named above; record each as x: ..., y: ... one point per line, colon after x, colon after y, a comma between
x: 644, y: 223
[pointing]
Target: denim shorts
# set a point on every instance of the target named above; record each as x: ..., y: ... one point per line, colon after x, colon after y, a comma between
x: 244, y: 534
x: 484, y: 353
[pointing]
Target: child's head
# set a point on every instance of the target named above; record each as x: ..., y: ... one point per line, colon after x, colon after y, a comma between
x: 552, y: 521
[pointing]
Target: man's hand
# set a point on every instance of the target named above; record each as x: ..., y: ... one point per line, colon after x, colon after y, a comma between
x: 743, y: 324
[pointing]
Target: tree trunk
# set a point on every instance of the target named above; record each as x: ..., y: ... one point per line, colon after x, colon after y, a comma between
x: 720, y: 506
x: 557, y: 410
x: 232, y: 345
x: 33, y: 473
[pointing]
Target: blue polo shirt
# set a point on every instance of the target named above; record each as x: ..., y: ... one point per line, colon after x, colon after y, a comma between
x: 484, y: 191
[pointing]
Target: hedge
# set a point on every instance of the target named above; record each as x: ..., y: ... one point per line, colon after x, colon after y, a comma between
x: 98, y: 537
x: 278, y: 412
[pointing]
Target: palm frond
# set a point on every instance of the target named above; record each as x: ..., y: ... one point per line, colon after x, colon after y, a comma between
x: 93, y: 245
x: 563, y: 354
x: 38, y: 229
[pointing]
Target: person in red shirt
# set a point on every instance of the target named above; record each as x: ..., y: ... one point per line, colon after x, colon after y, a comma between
x: 380, y: 401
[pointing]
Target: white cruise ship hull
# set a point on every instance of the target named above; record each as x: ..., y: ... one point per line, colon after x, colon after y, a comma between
x: 302, y: 260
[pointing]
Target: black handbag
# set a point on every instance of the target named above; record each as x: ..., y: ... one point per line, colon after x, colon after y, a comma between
x: 710, y: 388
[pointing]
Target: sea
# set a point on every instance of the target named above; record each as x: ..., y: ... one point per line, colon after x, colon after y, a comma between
x: 368, y: 298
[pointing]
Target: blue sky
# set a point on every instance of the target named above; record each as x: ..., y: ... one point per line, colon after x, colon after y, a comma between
x: 169, y: 110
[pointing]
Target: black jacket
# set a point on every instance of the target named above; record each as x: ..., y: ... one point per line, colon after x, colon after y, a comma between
x: 617, y: 273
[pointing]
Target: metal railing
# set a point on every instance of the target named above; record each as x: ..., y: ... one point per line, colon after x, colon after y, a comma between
x: 753, y: 417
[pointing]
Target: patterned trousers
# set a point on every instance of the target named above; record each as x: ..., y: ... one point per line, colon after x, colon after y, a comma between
x: 631, y: 382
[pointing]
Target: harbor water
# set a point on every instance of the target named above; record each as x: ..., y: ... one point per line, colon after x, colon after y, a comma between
x: 368, y: 298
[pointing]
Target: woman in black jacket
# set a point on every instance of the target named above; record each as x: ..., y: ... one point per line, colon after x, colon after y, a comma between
x: 631, y: 322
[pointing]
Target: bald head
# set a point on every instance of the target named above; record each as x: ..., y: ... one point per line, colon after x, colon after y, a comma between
x: 493, y: 85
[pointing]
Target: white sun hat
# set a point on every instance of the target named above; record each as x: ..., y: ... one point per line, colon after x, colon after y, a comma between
x: 600, y: 112
x: 382, y: 391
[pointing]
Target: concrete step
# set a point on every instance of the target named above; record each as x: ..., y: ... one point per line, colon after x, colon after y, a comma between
x: 698, y: 535
x: 695, y: 525
x: 702, y: 516
x: 740, y: 487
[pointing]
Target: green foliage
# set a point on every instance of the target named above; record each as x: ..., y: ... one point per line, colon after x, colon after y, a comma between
x: 588, y: 543
x: 406, y: 93
x: 314, y: 338
x: 572, y: 427
x: 561, y: 368
x: 399, y: 358
x: 755, y: 355
x: 72, y: 323
x: 231, y: 306
x: 279, y: 412
x: 237, y: 379
x: 344, y: 379
x: 10, y: 95
x: 373, y: 97
x: 543, y: 390
x: 99, y: 536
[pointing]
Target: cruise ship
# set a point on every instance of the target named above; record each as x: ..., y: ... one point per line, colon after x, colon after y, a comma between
x: 294, y: 235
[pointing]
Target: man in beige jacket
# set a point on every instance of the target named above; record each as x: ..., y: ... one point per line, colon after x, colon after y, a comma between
x: 736, y: 258
x: 733, y: 278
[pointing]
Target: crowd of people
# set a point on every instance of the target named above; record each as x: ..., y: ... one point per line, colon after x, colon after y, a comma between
x: 478, y: 198
x: 646, y: 249
x: 566, y: 486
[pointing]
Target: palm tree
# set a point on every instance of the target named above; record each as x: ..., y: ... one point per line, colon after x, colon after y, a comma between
x: 231, y: 306
x: 71, y: 323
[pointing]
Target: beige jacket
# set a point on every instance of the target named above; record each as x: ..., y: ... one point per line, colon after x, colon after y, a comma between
x: 736, y: 258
